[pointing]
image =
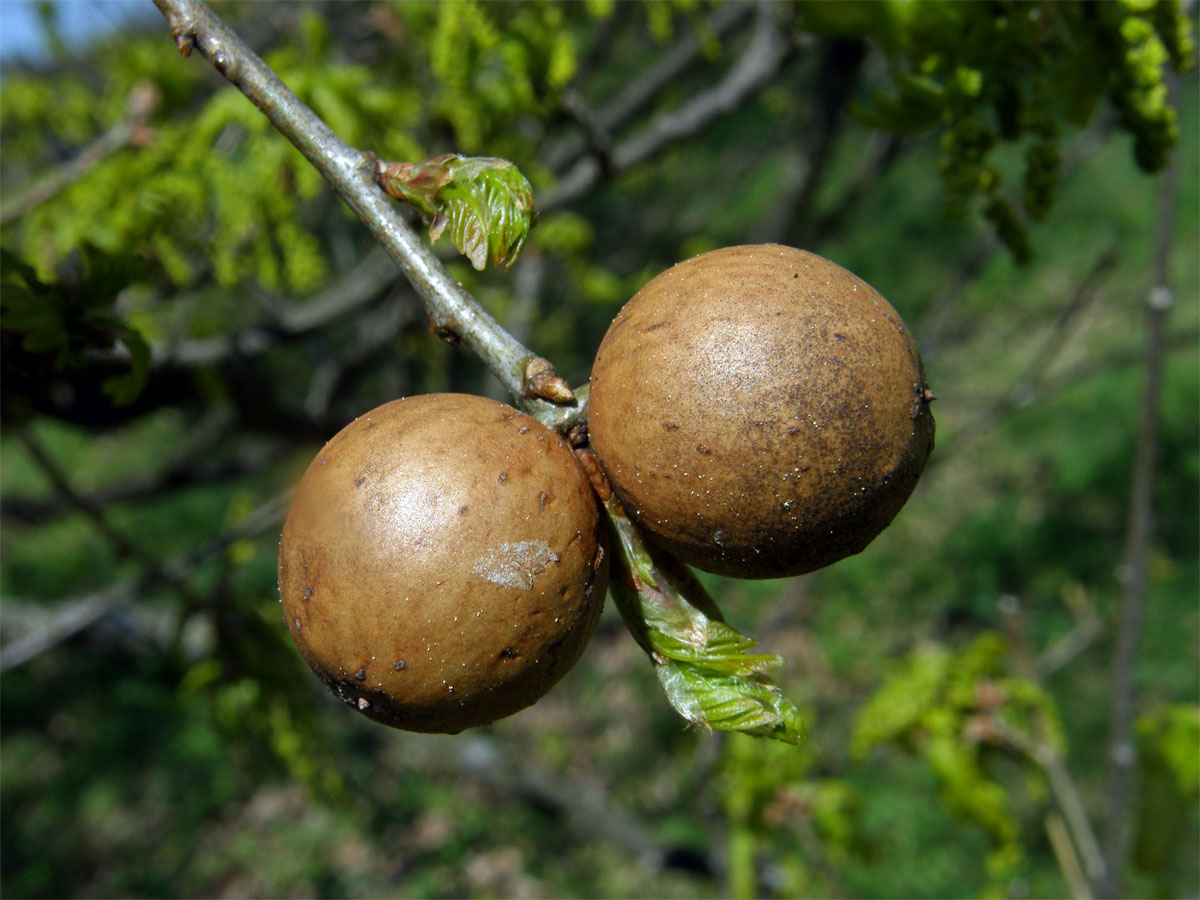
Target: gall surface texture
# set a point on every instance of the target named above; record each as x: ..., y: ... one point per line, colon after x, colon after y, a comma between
x: 760, y: 411
x: 443, y: 563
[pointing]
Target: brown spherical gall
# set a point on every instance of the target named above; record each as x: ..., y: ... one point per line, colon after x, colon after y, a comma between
x: 760, y: 411
x: 443, y: 562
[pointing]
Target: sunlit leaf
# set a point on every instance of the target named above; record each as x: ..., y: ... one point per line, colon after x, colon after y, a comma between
x: 485, y: 204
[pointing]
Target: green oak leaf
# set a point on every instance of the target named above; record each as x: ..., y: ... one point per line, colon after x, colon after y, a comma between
x: 700, y: 660
x: 485, y: 204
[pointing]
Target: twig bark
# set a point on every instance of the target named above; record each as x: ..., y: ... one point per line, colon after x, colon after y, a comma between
x: 1122, y: 757
x: 351, y: 172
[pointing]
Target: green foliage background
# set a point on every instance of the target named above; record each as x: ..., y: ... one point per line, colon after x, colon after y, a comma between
x: 179, y: 746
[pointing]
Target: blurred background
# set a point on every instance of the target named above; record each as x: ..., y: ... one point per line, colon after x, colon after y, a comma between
x: 1001, y: 692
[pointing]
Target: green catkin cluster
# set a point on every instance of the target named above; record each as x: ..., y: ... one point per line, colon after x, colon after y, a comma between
x: 965, y: 145
x: 1013, y: 73
x: 1043, y: 160
x: 487, y: 75
x: 1139, y: 90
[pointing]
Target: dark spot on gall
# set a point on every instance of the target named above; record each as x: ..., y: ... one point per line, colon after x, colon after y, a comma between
x: 360, y: 675
x: 503, y: 477
x: 794, y: 429
x: 507, y: 653
x: 671, y: 426
x: 462, y: 510
x: 653, y: 327
x: 700, y: 448
x: 400, y: 665
x: 361, y: 481
x: 542, y: 498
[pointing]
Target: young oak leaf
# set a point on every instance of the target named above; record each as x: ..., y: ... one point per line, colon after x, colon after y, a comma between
x: 484, y: 203
x: 700, y: 660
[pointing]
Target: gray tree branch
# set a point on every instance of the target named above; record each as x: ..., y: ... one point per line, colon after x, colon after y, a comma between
x: 351, y: 172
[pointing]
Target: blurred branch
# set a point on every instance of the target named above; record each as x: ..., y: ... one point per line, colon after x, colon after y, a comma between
x: 42, y: 632
x: 838, y: 76
x: 1182, y: 340
x: 184, y: 467
x: 1068, y: 862
x: 584, y: 808
x: 143, y: 100
x: 124, y: 547
x: 42, y: 629
x: 1024, y: 386
x: 527, y: 289
x: 352, y: 173
x: 1122, y: 757
x: 765, y: 54
x: 377, y: 332
x: 887, y: 149
x: 1087, y: 628
x: 1042, y: 753
x: 76, y: 397
x: 634, y: 97
x: 946, y: 320
x: 1052, y: 343
x: 374, y: 273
